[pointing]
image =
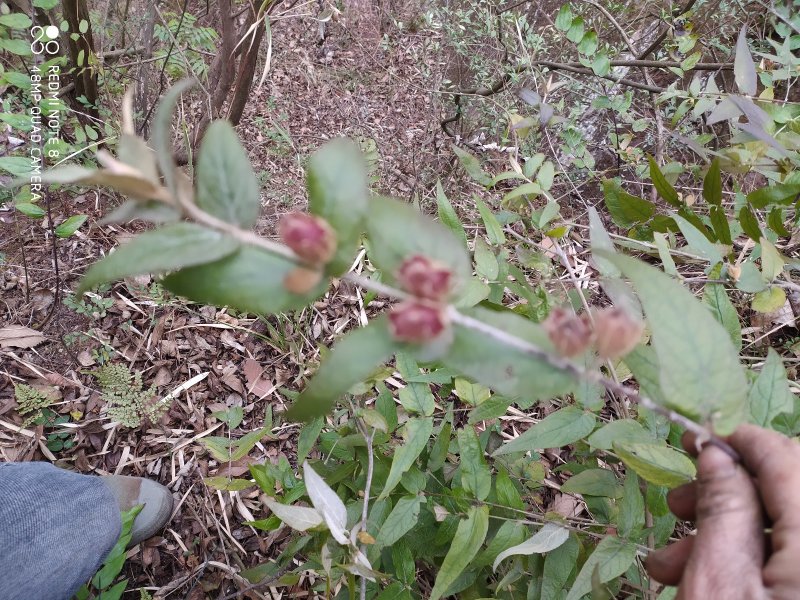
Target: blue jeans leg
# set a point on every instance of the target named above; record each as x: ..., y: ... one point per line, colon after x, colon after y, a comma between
x: 56, y: 527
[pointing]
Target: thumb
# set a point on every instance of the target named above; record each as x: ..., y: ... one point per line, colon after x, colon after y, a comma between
x: 728, y: 552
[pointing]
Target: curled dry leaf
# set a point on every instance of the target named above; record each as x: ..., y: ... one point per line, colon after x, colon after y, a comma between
x: 310, y: 237
x: 571, y: 334
x: 616, y: 332
x: 425, y: 278
x: 415, y: 321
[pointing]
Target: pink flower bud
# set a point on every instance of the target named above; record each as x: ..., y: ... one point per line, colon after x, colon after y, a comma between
x: 310, y: 237
x: 424, y: 278
x: 416, y: 322
x: 570, y: 333
x: 616, y: 332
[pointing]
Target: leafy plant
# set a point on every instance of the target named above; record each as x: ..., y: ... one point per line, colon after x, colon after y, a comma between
x: 102, y: 586
x: 413, y: 483
x: 31, y: 402
x: 128, y: 401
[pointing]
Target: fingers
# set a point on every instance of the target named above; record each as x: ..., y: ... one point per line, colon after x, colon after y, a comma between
x: 667, y: 564
x: 728, y: 551
x: 682, y: 501
x: 774, y: 461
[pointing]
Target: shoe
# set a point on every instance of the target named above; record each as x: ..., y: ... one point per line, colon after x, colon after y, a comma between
x: 157, y: 500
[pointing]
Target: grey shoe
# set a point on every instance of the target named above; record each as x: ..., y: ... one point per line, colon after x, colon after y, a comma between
x: 157, y: 500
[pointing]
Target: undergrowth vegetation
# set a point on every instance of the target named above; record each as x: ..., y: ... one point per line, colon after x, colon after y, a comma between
x: 510, y: 425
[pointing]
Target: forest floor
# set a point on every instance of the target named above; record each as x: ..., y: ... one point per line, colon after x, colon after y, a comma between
x: 383, y: 93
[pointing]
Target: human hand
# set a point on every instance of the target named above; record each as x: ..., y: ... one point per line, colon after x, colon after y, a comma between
x: 732, y: 557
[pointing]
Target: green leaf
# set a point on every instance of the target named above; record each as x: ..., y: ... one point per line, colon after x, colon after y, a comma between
x: 626, y: 210
x: 712, y: 184
x: 770, y: 300
x: 622, y: 430
x: 610, y: 559
x: 630, y: 519
x: 770, y: 394
x: 720, y: 225
x: 576, y: 30
x: 19, y: 166
x: 465, y: 545
x: 336, y: 179
x: 601, y: 65
x: 564, y: 18
x: 416, y: 433
x: 475, y: 476
x: 162, y: 133
x: 352, y: 360
x: 28, y: 209
x: 778, y: 193
x: 558, y: 429
x: 771, y: 261
x: 308, y: 437
x: 716, y: 298
x: 700, y: 373
x: 472, y: 166
x: 493, y: 229
x: 776, y: 222
x: 588, y: 43
x: 401, y: 520
x: 417, y: 398
x: 526, y: 189
x: 509, y: 534
x: 592, y: 482
x: 397, y: 231
x: 228, y: 485
x: 45, y: 4
x: 744, y: 69
x: 750, y: 279
x: 750, y: 224
x: 18, y: 47
x: 558, y: 567
x: 226, y: 185
x: 486, y: 264
x: 663, y: 187
x: 171, y: 247
x: 546, y: 175
x: 548, y: 538
x: 508, y: 371
x: 494, y: 407
x: 16, y: 21
x: 448, y: 216
x: 250, y: 280
x: 657, y: 464
x: 643, y: 363
x: 697, y: 241
x: 231, y: 416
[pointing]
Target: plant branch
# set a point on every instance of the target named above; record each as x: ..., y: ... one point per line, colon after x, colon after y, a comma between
x: 569, y: 367
x: 557, y: 362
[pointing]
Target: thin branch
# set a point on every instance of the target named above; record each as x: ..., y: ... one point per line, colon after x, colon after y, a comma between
x: 557, y: 362
x: 567, y: 366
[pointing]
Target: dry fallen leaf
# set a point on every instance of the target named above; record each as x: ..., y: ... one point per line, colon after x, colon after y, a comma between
x: 19, y: 336
x: 256, y: 384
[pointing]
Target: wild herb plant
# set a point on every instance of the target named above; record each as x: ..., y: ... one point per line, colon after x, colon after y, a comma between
x: 419, y: 495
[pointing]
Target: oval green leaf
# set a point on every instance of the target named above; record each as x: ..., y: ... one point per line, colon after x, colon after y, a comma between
x: 226, y: 185
x: 170, y: 247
